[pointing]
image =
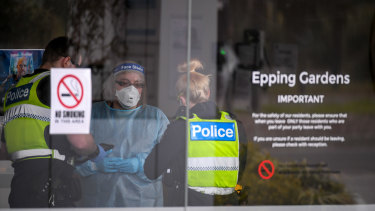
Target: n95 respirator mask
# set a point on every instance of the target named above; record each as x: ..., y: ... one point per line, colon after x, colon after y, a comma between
x: 128, y: 97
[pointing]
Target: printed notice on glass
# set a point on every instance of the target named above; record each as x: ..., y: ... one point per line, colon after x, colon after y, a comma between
x: 70, y: 100
x: 291, y: 128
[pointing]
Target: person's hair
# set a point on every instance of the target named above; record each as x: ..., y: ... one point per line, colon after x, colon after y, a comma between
x: 199, y: 83
x: 56, y: 48
x: 109, y: 85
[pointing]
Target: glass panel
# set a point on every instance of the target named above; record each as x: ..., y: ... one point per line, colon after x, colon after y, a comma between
x: 280, y: 97
x: 26, y: 28
x: 121, y: 41
x: 297, y: 75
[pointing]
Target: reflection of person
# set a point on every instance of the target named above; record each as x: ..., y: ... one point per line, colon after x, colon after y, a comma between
x: 12, y: 79
x: 21, y: 67
x: 42, y: 175
x: 213, y: 160
x: 133, y: 129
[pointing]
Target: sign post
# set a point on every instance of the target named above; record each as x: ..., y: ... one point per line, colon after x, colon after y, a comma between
x: 70, y: 100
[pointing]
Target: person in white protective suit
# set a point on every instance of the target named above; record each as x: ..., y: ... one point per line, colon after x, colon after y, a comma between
x: 133, y: 128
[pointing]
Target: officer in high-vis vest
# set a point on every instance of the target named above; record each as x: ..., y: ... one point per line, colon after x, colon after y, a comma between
x: 216, y: 155
x: 213, y: 155
x: 43, y: 176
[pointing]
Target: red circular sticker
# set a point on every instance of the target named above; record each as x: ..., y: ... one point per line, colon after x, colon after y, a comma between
x: 70, y: 91
x: 266, y: 169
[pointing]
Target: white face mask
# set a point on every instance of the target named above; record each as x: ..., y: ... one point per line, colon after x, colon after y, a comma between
x: 128, y: 96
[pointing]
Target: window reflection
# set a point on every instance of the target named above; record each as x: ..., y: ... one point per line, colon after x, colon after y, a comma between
x: 139, y: 117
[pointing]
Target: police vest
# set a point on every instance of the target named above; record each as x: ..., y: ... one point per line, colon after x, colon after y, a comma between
x: 213, y: 155
x: 25, y: 120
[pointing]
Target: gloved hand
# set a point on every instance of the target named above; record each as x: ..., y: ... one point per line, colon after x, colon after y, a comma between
x: 129, y: 165
x: 108, y: 165
x: 101, y: 154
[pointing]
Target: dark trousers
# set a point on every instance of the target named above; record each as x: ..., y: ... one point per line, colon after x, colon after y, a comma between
x: 30, y: 187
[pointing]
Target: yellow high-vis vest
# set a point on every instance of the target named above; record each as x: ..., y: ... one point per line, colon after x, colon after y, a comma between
x: 25, y: 120
x: 213, y: 155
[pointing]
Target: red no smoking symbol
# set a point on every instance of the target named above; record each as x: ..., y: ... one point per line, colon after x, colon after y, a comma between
x: 266, y: 169
x: 70, y: 91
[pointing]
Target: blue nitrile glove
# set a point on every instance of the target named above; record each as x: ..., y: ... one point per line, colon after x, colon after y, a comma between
x: 101, y: 154
x: 86, y: 169
x: 129, y: 165
x: 108, y: 165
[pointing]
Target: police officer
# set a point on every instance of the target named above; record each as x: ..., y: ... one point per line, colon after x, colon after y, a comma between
x: 42, y: 175
x: 214, y: 160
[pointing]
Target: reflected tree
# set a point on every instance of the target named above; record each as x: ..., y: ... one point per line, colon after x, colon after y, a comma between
x: 99, y: 29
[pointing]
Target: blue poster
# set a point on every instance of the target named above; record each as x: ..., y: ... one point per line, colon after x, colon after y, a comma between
x: 15, y: 63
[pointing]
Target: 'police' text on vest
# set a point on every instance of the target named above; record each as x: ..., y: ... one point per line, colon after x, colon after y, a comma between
x: 18, y: 94
x: 212, y: 131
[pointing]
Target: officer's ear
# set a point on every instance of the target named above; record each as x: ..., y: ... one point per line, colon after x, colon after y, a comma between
x: 182, y: 101
x: 66, y: 62
x: 60, y: 62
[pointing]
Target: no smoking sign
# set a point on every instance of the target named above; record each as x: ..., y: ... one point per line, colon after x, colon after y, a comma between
x: 266, y: 169
x: 70, y: 91
x: 70, y: 100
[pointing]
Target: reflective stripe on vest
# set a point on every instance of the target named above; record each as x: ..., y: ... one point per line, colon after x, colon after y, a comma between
x: 213, y: 151
x: 27, y: 111
x: 32, y: 153
x: 26, y: 117
x: 213, y: 163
